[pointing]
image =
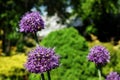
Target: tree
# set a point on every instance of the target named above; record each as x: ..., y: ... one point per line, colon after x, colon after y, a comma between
x: 10, y: 14
x: 101, y: 14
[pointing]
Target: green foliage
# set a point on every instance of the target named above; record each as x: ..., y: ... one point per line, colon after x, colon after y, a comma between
x: 87, y: 8
x: 91, y: 29
x: 12, y: 66
x: 73, y: 50
x: 95, y: 8
x: 68, y: 37
x: 33, y: 76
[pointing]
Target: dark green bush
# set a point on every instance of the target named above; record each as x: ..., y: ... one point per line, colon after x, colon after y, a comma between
x: 73, y: 49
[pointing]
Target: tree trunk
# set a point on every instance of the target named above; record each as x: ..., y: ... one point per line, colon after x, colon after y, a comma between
x: 5, y: 44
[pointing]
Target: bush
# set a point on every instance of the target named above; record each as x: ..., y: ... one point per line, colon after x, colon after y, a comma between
x: 12, y: 66
x: 73, y: 49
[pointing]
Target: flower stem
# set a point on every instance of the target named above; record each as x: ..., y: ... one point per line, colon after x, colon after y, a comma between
x: 99, y: 74
x: 36, y: 39
x: 42, y: 76
x: 48, y: 73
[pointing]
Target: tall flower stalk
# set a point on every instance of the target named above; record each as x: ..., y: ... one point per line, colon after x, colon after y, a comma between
x: 36, y: 39
x: 48, y: 73
x: 42, y: 76
x: 100, y: 56
x: 40, y: 59
x: 99, y: 72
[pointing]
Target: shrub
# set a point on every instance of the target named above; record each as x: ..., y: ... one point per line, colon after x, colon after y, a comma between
x: 114, y: 64
x: 12, y: 66
x: 73, y: 49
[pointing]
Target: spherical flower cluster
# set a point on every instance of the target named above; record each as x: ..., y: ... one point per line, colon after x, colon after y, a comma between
x: 113, y: 76
x: 99, y: 55
x: 41, y: 60
x: 31, y: 22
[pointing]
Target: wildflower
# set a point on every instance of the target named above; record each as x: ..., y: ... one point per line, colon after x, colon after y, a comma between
x: 113, y: 76
x: 31, y: 22
x: 41, y: 60
x: 99, y: 55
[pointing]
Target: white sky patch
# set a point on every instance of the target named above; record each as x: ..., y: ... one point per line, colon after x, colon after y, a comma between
x: 69, y: 9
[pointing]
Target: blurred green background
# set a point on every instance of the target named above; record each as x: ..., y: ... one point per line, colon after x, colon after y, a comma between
x: 86, y: 23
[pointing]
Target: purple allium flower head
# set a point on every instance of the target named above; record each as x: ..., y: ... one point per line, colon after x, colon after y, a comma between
x: 113, y: 76
x: 99, y: 55
x: 41, y: 60
x: 31, y: 22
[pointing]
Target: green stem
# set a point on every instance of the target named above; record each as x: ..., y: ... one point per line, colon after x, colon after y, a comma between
x: 99, y: 74
x: 48, y: 73
x: 42, y: 76
x: 36, y: 39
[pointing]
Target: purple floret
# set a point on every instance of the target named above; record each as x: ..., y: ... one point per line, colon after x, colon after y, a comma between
x: 113, y: 76
x: 41, y: 60
x: 99, y: 55
x: 31, y: 22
